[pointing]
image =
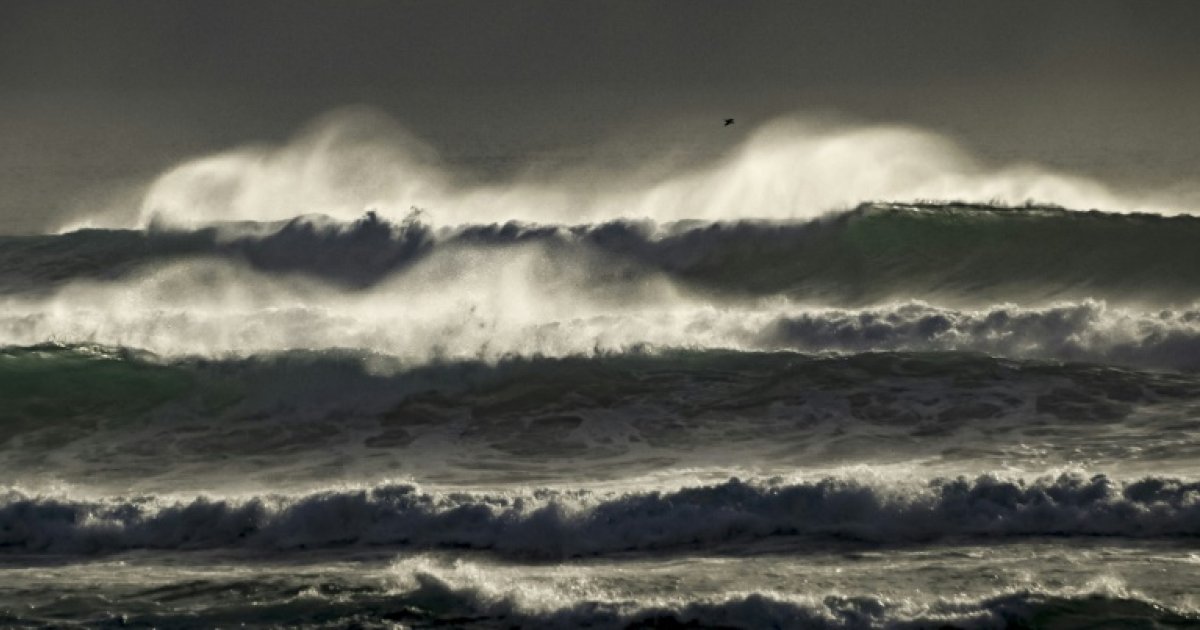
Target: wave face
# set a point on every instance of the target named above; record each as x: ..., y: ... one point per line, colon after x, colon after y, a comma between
x: 564, y: 524
x: 954, y: 253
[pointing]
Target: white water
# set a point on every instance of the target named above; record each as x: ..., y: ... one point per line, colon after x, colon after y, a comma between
x: 489, y: 304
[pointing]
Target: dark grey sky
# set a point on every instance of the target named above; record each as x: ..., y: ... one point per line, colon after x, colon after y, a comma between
x: 98, y: 93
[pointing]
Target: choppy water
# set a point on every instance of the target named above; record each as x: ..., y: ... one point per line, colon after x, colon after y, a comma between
x: 896, y: 416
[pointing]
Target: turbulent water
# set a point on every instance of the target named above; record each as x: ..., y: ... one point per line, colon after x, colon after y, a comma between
x: 901, y: 415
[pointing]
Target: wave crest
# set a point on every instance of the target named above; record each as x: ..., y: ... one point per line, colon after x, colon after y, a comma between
x: 953, y: 253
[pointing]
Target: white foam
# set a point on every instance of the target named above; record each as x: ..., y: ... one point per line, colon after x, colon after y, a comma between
x: 483, y: 304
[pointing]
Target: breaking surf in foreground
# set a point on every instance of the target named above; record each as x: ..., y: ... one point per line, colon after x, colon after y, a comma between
x: 903, y: 415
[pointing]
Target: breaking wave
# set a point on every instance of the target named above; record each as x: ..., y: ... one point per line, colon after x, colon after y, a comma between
x: 1038, y: 283
x: 552, y: 523
x: 433, y: 599
x: 960, y: 254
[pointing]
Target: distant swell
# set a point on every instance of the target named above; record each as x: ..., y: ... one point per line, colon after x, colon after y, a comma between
x: 567, y: 523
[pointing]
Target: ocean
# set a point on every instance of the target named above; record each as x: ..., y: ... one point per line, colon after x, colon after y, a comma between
x: 898, y: 415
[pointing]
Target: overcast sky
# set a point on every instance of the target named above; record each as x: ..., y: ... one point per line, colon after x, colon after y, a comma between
x: 97, y: 94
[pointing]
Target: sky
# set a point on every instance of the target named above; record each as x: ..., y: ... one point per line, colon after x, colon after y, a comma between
x: 99, y: 96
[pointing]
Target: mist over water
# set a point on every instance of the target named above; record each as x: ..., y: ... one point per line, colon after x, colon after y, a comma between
x: 834, y: 376
x: 522, y: 304
x: 354, y: 160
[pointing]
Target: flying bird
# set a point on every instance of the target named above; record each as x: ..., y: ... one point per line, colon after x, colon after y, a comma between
x: 728, y: 121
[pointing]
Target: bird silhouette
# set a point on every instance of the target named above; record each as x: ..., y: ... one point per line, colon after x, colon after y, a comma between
x: 728, y: 121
